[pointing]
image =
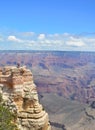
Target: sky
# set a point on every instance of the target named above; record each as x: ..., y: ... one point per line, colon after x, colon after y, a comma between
x: 65, y: 25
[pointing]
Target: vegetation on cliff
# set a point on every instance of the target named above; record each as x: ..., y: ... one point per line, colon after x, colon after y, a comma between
x: 6, y: 117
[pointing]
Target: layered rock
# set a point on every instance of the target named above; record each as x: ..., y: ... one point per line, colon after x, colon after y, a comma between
x: 20, y: 95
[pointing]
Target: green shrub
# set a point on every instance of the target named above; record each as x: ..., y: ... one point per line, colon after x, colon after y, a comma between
x: 6, y: 118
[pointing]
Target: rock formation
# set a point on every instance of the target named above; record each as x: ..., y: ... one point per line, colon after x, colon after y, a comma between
x: 20, y: 95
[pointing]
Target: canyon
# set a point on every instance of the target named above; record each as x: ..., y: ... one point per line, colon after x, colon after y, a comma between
x: 65, y: 82
x: 68, y: 74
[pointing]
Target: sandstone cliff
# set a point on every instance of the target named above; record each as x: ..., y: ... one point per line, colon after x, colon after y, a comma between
x: 19, y: 94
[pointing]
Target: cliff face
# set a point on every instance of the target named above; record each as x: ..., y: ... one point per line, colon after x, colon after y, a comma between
x: 19, y: 93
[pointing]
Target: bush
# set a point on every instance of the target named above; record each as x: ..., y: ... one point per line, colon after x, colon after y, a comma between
x: 6, y: 118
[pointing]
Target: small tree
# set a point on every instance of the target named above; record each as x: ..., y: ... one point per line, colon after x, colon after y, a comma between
x: 6, y: 118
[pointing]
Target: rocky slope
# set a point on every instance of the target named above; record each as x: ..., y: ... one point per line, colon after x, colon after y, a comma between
x: 67, y: 114
x: 20, y: 95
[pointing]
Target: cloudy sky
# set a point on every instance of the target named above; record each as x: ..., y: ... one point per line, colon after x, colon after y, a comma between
x: 47, y: 25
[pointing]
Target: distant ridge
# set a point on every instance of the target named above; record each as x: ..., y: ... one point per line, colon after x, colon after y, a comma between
x: 46, y: 51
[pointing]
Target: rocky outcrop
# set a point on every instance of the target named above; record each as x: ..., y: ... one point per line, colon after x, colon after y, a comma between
x: 19, y: 94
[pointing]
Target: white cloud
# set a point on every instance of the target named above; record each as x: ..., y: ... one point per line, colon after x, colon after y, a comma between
x: 56, y: 41
x: 78, y: 42
x: 75, y: 43
x: 28, y: 34
x: 30, y: 42
x: 41, y: 36
x: 14, y: 39
x: 89, y: 40
x: 56, y: 35
x: 66, y: 34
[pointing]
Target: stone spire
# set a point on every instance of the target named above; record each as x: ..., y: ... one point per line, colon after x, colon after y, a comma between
x: 20, y: 95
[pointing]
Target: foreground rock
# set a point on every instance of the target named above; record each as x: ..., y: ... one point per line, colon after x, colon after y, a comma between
x: 19, y: 94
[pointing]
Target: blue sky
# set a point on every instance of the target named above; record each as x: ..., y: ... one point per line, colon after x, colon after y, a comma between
x: 47, y: 25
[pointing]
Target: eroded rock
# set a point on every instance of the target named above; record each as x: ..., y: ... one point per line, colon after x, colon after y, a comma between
x: 20, y: 95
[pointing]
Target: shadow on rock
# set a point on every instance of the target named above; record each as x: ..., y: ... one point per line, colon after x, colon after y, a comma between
x: 58, y: 125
